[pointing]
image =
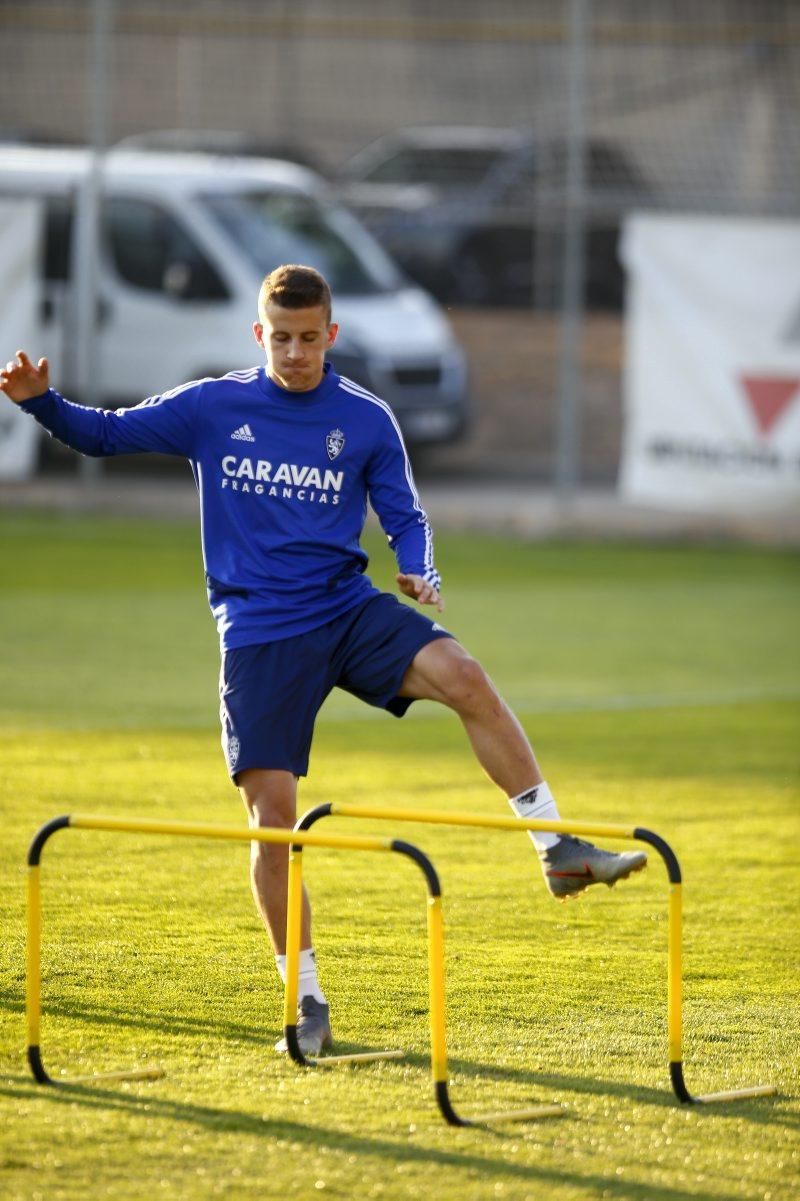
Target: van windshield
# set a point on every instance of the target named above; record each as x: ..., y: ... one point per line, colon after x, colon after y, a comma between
x: 287, y: 227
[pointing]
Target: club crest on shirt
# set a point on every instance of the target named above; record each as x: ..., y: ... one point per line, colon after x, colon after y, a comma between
x: 334, y: 443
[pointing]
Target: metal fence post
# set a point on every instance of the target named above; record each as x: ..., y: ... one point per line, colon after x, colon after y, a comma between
x: 572, y: 297
x: 87, y: 248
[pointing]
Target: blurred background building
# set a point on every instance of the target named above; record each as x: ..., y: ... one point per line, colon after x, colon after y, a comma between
x: 495, y: 151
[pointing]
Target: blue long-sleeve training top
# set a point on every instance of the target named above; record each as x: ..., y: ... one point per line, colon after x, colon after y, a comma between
x: 283, y: 479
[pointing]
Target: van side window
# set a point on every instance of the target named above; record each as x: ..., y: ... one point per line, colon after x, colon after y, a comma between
x: 57, y: 239
x: 152, y: 251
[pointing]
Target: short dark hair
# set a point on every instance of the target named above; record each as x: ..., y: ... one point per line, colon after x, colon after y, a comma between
x: 295, y: 287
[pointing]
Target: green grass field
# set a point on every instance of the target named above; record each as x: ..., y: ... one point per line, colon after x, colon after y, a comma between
x: 660, y: 687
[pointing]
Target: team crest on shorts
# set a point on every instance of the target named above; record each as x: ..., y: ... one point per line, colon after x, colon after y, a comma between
x: 334, y: 443
x: 233, y: 751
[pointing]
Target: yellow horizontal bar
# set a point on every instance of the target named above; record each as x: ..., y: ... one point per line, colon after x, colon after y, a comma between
x: 143, y: 825
x: 518, y: 1115
x: 486, y: 820
x: 738, y: 1094
x: 361, y: 1057
x: 133, y: 1074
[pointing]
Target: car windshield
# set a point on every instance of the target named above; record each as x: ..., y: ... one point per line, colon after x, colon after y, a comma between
x: 443, y: 166
x: 287, y: 227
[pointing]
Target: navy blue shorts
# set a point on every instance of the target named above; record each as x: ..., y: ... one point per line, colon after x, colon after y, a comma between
x: 270, y: 693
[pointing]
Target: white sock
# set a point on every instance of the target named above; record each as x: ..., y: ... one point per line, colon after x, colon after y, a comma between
x: 308, y: 984
x: 537, y: 803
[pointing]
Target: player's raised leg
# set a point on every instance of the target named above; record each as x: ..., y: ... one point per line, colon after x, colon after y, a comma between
x: 271, y: 800
x: 444, y: 671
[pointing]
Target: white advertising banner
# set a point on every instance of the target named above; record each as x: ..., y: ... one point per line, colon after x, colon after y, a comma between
x: 712, y: 371
x: 20, y: 232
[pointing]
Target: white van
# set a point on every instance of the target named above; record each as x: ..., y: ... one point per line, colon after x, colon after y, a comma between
x: 186, y: 241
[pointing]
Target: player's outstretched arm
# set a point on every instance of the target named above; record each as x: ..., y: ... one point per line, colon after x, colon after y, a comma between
x: 420, y: 590
x: 166, y: 423
x: 22, y: 380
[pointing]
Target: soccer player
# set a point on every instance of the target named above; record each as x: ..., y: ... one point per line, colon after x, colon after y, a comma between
x: 285, y: 457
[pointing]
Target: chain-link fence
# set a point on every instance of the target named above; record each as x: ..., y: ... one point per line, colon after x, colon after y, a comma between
x: 468, y: 138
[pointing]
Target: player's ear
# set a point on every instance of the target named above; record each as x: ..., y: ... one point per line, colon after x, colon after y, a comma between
x: 258, y: 333
x: 333, y: 331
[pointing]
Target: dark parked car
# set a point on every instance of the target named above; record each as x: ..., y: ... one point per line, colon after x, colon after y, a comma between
x: 463, y: 211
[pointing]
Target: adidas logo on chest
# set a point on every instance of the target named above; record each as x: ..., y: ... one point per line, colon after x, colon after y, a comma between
x: 243, y: 434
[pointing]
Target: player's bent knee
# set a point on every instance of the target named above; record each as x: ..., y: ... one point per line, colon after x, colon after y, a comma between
x: 270, y: 798
x: 269, y: 811
x: 466, y: 684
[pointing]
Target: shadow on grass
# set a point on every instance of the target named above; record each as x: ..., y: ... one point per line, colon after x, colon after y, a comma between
x: 472, y: 1070
x: 468, y: 1069
x: 638, y: 1093
x: 754, y: 1110
x: 467, y: 1097
x: 406, y: 1150
x: 163, y: 1023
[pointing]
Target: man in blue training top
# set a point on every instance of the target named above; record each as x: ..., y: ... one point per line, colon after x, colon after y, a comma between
x: 285, y: 458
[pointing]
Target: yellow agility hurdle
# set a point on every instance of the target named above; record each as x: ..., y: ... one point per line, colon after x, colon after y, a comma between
x: 147, y: 826
x: 595, y: 829
x: 439, y: 1068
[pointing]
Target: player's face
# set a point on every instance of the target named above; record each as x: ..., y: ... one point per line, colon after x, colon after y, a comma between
x: 295, y: 341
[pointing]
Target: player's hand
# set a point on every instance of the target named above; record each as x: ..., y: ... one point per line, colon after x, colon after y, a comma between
x: 21, y: 380
x: 420, y: 590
